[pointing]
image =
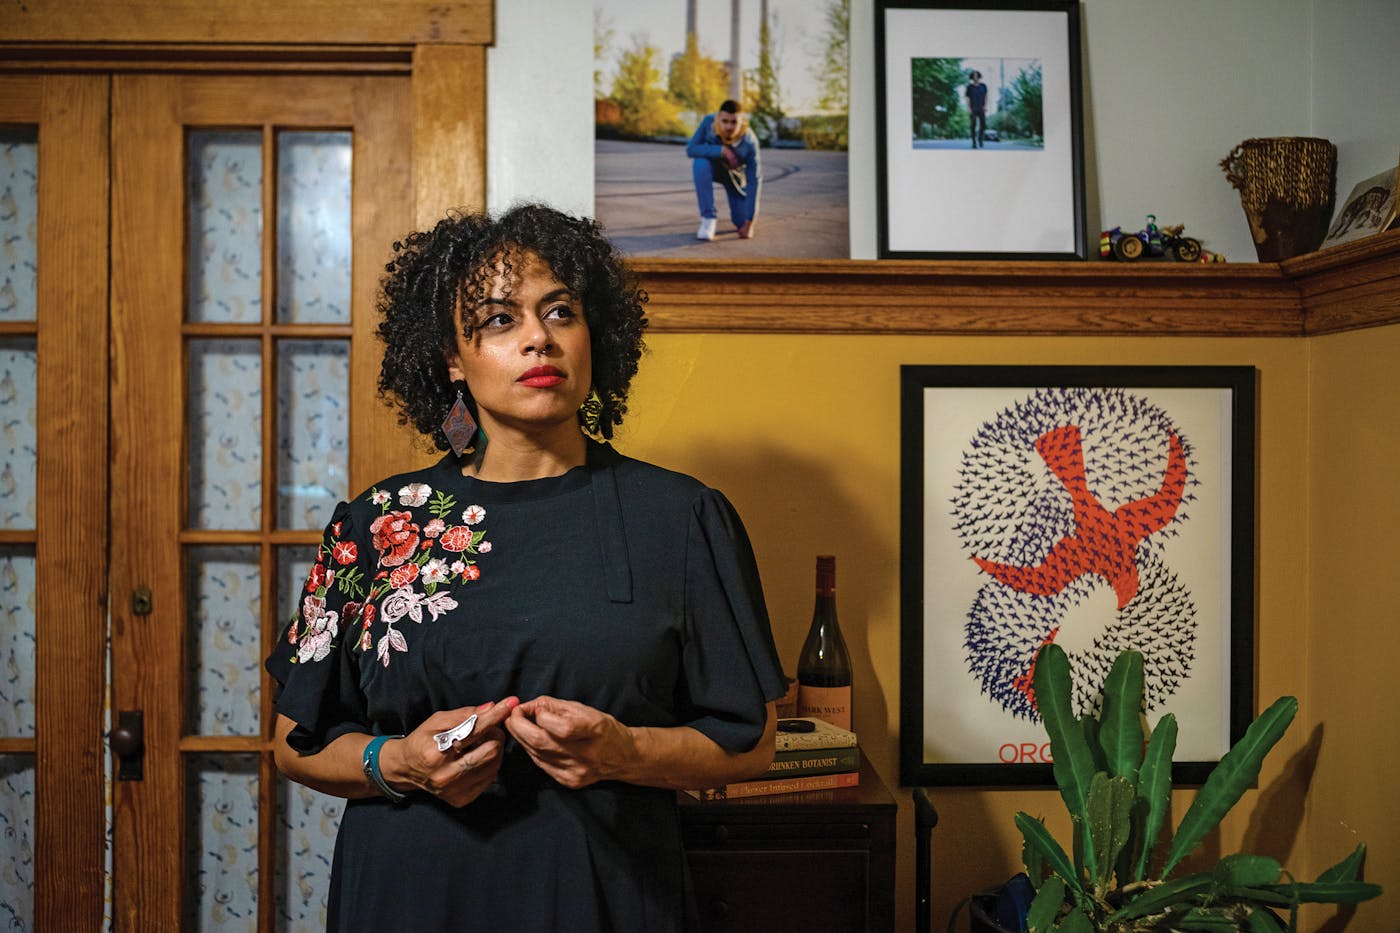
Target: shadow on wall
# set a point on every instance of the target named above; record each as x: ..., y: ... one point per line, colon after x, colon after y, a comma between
x: 795, y: 508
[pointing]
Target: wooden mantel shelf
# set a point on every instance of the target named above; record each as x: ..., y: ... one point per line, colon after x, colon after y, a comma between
x: 1346, y: 287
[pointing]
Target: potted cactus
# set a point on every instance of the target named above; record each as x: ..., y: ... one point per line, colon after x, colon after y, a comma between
x: 1120, y: 877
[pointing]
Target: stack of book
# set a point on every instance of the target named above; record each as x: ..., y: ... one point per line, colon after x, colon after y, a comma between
x: 822, y: 757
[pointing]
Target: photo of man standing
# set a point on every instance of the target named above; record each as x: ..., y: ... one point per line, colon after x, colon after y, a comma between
x: 977, y: 105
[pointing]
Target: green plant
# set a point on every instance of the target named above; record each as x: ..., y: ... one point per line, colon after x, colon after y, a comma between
x: 1118, y: 792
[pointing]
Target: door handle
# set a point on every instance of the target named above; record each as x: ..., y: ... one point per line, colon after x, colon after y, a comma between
x: 128, y: 741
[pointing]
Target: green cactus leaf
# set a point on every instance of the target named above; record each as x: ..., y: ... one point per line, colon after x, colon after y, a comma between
x: 1161, y: 896
x: 1034, y: 861
x: 1110, y: 811
x: 1074, y: 762
x: 1348, y: 869
x: 1245, y: 869
x: 1206, y: 920
x: 1075, y: 922
x: 1263, y: 920
x: 1090, y: 726
x: 1331, y: 892
x: 1037, y: 837
x: 1120, y: 728
x: 1154, y: 790
x: 1237, y: 771
x: 1046, y: 906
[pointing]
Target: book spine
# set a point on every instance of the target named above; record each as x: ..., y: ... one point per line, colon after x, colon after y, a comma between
x: 792, y: 785
x: 813, y: 761
x: 795, y: 741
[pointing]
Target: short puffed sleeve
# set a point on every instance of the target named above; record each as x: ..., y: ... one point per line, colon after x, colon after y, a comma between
x: 730, y: 664
x: 313, y: 661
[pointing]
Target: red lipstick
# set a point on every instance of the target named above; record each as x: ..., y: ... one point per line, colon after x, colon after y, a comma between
x: 541, y: 377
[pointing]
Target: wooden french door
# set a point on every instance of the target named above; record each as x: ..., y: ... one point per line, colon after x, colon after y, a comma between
x: 251, y: 219
x: 53, y: 494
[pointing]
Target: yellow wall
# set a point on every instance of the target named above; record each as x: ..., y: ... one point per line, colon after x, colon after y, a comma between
x: 802, y: 433
x: 1352, y: 651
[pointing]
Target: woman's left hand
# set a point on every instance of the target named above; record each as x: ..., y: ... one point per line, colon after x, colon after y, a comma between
x: 572, y: 742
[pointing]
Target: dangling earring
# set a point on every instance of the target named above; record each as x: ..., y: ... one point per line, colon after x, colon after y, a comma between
x: 459, y: 425
x: 590, y: 413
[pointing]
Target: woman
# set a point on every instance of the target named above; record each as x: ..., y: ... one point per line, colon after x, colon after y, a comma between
x: 601, y: 618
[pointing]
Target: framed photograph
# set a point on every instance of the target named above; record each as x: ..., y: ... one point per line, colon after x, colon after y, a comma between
x: 1099, y: 507
x: 1370, y: 208
x: 720, y: 130
x: 980, y: 147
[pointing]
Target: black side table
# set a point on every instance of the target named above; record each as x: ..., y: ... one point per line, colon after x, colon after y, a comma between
x: 820, y: 860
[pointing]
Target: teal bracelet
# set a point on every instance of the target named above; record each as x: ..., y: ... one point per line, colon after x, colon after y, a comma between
x: 371, y: 766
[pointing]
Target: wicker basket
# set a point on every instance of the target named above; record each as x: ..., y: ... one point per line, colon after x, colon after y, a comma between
x: 1287, y: 185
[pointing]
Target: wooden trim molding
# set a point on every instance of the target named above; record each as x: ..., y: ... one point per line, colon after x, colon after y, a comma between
x: 40, y: 57
x: 1352, y: 286
x: 356, y: 22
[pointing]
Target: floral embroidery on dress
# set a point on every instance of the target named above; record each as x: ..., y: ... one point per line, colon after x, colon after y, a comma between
x: 411, y: 582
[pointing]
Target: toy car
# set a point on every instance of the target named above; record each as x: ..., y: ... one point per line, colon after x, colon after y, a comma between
x: 1151, y: 240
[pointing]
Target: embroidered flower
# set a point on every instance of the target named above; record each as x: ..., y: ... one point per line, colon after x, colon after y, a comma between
x: 398, y: 604
x: 472, y: 572
x: 414, y: 494
x: 395, y: 536
x: 335, y: 530
x: 458, y: 567
x: 434, y: 528
x: 473, y: 514
x: 484, y: 547
x: 317, y: 578
x: 456, y: 539
x: 403, y: 576
x: 320, y: 629
x: 435, y: 571
x: 345, y: 552
x: 380, y: 497
x: 407, y: 602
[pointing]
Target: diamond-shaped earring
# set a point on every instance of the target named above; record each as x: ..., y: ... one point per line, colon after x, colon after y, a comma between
x: 459, y: 426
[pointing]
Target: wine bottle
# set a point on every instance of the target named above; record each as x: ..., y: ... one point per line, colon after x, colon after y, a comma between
x: 824, y: 667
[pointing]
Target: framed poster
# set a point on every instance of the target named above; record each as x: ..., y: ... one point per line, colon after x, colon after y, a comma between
x: 980, y: 150
x: 1099, y: 507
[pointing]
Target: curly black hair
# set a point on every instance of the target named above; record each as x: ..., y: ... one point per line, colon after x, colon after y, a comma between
x: 438, y: 277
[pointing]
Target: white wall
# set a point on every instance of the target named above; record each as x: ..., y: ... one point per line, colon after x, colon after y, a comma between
x: 1169, y: 89
x: 1356, y: 85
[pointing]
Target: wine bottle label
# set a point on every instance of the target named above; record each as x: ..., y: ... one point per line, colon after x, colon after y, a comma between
x: 830, y: 704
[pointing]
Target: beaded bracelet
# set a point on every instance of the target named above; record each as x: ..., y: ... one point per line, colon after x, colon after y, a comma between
x: 371, y: 766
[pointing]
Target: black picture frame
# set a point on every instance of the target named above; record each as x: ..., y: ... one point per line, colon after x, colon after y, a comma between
x: 975, y: 486
x: 1018, y: 196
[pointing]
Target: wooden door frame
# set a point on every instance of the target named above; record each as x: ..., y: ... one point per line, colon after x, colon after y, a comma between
x: 446, y: 153
x: 70, y: 538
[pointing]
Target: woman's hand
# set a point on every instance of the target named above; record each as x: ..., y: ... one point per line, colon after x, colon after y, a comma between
x: 459, y: 775
x: 572, y: 742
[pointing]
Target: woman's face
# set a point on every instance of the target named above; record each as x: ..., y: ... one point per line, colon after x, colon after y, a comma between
x: 528, y: 362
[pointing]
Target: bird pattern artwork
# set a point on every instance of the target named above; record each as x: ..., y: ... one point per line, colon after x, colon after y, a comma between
x: 1066, y: 500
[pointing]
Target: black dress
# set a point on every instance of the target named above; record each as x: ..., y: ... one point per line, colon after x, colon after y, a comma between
x: 621, y: 585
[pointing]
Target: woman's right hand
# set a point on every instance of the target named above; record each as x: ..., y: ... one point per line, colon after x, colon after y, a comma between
x: 459, y: 775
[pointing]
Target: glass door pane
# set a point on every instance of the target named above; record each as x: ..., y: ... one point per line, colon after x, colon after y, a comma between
x: 256, y: 422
